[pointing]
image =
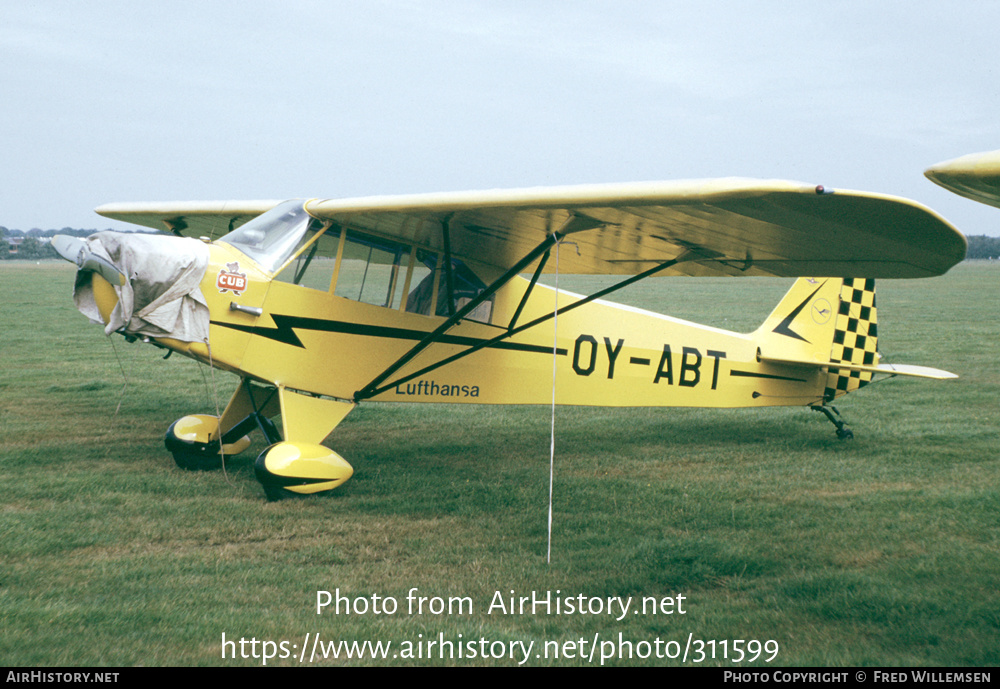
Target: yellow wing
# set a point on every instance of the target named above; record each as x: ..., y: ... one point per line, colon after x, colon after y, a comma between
x: 211, y: 219
x: 975, y: 176
x: 734, y: 227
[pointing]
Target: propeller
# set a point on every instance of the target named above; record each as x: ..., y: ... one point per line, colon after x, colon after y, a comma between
x: 76, y: 251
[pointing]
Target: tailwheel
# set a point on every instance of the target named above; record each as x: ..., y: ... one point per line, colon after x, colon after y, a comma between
x: 294, y: 469
x: 194, y: 443
x: 843, y: 432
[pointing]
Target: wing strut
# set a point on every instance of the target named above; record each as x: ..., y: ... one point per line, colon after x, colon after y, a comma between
x: 449, y: 280
x: 575, y: 223
x: 527, y: 292
x: 371, y: 390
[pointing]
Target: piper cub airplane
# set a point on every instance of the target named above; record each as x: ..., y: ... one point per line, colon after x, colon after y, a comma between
x: 319, y: 305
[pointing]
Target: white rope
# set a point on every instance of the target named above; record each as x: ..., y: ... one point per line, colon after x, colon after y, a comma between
x: 121, y: 394
x: 218, y: 412
x: 552, y: 435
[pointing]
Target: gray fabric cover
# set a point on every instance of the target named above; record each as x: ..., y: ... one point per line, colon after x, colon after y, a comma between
x: 163, y: 296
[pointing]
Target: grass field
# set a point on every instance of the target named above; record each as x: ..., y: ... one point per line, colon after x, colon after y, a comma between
x: 884, y: 550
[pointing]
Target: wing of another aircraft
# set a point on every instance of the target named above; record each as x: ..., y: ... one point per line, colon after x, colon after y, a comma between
x: 975, y: 176
x: 727, y: 226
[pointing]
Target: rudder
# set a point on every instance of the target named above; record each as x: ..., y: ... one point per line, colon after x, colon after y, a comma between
x: 855, y: 337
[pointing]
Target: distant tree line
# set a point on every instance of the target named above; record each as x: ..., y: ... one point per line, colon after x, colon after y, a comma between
x: 981, y: 246
x: 33, y: 244
x: 29, y: 248
x: 37, y: 233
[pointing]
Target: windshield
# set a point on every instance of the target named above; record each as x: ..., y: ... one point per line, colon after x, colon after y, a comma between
x: 270, y: 239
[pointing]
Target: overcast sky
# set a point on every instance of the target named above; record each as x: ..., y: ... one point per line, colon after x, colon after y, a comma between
x: 170, y: 101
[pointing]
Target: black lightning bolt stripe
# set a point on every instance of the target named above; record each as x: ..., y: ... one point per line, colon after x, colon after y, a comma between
x: 286, y: 325
x: 783, y: 327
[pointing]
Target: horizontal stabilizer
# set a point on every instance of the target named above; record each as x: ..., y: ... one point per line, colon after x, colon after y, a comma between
x: 883, y: 369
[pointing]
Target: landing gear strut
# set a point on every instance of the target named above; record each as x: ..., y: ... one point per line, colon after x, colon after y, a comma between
x: 295, y: 462
x: 194, y: 440
x: 843, y: 432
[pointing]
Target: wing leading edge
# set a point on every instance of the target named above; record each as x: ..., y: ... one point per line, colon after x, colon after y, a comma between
x: 723, y: 227
x: 975, y: 176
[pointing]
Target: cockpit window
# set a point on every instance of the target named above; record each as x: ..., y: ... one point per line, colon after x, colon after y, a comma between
x: 370, y: 270
x: 284, y: 242
x: 465, y: 287
x: 314, y: 260
x: 270, y: 239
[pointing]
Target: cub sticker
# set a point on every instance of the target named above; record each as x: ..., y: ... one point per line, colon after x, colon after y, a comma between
x: 231, y: 279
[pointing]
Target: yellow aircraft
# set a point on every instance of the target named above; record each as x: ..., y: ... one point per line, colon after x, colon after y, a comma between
x: 975, y: 176
x: 319, y: 305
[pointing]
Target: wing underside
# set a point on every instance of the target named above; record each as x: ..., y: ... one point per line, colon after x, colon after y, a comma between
x: 717, y: 227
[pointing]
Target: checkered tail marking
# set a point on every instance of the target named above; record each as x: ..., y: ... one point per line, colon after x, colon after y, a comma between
x: 854, y: 338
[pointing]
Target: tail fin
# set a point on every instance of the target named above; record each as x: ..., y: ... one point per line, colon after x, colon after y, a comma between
x: 821, y: 321
x: 801, y: 327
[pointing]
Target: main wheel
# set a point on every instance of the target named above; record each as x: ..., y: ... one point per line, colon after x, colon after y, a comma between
x: 194, y: 443
x: 291, y: 469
